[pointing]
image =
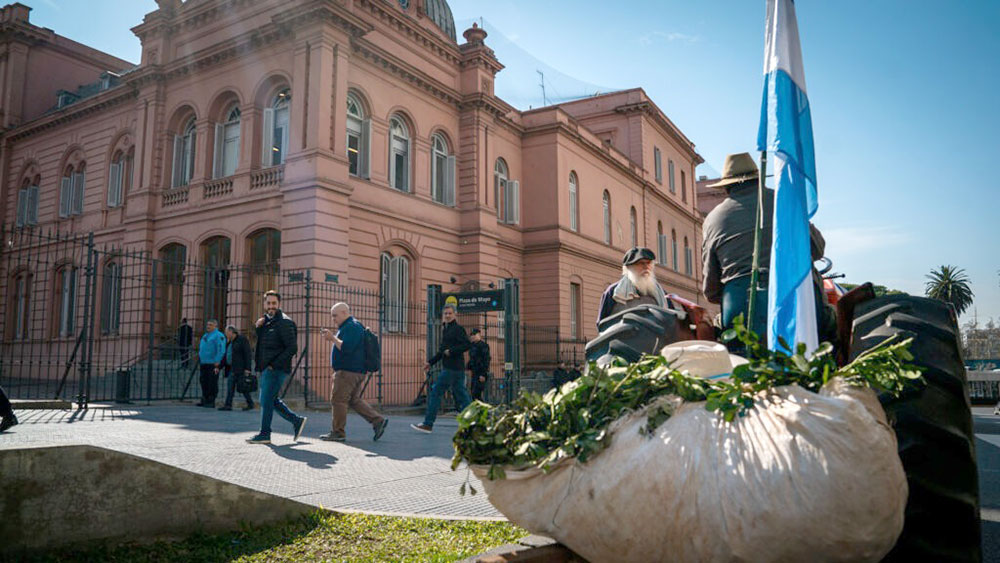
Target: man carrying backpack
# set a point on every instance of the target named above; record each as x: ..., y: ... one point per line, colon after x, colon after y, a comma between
x: 348, y: 361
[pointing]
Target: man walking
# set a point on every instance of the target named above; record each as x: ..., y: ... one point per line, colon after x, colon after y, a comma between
x: 276, y: 345
x: 237, y: 363
x: 347, y: 357
x: 185, y: 334
x: 210, y: 352
x: 7, y: 418
x: 479, y: 363
x: 454, y: 343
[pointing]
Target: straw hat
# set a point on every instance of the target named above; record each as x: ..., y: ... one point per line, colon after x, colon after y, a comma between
x: 738, y: 168
x: 702, y: 358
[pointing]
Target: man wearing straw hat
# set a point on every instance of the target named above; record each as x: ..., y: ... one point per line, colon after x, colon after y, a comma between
x: 727, y: 249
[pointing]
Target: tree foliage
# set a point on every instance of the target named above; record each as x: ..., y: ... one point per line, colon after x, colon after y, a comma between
x: 951, y: 285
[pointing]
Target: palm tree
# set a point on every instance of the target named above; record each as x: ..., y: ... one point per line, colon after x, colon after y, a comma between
x: 951, y: 285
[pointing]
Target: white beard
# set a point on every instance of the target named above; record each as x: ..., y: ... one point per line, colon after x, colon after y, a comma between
x: 645, y: 285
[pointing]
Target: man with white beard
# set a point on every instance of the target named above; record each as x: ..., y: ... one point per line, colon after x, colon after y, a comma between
x: 637, y: 286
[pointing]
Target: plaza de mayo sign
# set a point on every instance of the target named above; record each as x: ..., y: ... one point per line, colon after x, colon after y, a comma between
x: 475, y: 301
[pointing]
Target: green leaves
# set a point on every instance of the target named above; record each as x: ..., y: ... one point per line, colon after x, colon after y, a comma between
x: 572, y: 421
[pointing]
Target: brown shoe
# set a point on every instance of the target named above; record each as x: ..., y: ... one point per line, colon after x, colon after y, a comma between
x: 422, y: 428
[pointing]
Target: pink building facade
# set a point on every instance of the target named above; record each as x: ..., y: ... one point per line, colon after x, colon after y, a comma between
x: 355, y: 138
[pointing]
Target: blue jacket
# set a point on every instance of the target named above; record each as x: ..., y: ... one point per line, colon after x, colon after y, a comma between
x: 212, y: 348
x: 351, y: 355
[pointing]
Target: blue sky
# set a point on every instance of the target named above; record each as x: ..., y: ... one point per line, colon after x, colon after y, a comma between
x: 903, y: 97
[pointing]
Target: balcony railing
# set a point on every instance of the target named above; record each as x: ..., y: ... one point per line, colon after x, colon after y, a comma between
x: 218, y: 188
x: 267, y: 178
x: 222, y: 189
x: 175, y: 196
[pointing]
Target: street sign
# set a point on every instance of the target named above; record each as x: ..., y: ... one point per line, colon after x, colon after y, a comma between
x: 475, y: 301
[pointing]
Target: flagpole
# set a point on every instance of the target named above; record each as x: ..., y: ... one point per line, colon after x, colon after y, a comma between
x: 757, y: 232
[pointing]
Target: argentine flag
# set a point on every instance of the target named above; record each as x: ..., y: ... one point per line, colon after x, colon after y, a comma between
x: 786, y: 130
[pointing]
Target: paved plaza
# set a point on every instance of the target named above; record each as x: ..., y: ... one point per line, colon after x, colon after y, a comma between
x: 404, y: 473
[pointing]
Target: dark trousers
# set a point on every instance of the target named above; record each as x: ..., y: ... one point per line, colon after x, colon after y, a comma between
x: 479, y: 387
x: 231, y: 390
x: 5, y: 408
x: 209, y: 383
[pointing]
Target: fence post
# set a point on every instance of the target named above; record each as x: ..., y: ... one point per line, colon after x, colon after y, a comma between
x: 83, y: 386
x: 152, y: 334
x: 305, y: 373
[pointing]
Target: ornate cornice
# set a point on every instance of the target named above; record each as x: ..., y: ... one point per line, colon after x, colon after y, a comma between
x: 440, y: 46
x: 649, y: 109
x: 404, y: 70
x: 71, y: 113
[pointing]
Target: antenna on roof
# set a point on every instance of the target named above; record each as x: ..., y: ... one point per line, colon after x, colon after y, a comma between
x: 542, y: 84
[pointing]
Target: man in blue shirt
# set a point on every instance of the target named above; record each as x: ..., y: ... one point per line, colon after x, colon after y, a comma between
x: 348, y: 361
x: 210, y: 352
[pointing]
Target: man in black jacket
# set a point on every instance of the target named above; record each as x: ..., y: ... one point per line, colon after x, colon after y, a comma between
x: 276, y: 346
x: 237, y: 362
x: 454, y: 343
x: 479, y: 363
x: 185, y: 335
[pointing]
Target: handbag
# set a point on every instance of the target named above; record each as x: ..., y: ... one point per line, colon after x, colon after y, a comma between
x: 246, y: 382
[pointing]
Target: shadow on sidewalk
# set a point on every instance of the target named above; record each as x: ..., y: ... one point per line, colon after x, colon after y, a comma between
x: 316, y: 460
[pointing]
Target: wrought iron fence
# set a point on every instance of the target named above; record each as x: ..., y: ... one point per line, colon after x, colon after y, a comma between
x: 90, y: 322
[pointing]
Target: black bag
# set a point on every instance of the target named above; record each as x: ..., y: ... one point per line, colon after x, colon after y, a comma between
x: 373, y: 351
x: 246, y: 382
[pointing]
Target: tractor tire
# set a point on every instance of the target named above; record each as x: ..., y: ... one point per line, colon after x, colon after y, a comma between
x: 933, y: 427
x: 631, y: 333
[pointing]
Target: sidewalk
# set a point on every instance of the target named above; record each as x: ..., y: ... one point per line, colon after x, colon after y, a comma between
x: 404, y: 473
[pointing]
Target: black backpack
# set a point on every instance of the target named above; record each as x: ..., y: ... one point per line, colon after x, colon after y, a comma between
x: 373, y: 351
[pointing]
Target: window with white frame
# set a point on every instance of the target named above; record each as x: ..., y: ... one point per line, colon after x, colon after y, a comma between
x: 359, y: 133
x: 275, y: 130
x: 395, y: 290
x: 673, y: 248
x: 574, y: 202
x: 111, y: 296
x: 507, y: 193
x: 71, y: 190
x: 684, y: 189
x: 687, y: 258
x: 661, y: 245
x: 670, y: 176
x: 21, y: 306
x: 442, y: 171
x: 399, y: 154
x: 119, y: 177
x: 27, y: 204
x: 658, y: 164
x: 633, y: 220
x: 184, y: 155
x: 227, y: 145
x: 607, y: 217
x: 574, y: 310
x: 66, y: 279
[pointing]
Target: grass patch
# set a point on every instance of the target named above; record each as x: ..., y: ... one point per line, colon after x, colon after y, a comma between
x: 318, y: 536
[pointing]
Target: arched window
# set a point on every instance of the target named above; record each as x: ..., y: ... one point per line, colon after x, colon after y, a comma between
x: 673, y: 247
x: 71, y: 190
x: 442, y: 171
x: 184, y: 155
x: 20, y: 306
x: 276, y: 129
x: 394, y: 289
x: 359, y: 133
x: 661, y: 245
x: 27, y: 203
x: 574, y: 202
x: 170, y: 292
x: 607, y: 217
x: 399, y: 155
x: 227, y: 144
x: 119, y: 177
x: 687, y: 257
x: 263, y: 256
x: 216, y: 257
x: 65, y: 299
x: 506, y: 193
x: 111, y: 297
x: 633, y: 220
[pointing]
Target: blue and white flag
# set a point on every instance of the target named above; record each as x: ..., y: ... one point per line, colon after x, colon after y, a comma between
x: 786, y: 130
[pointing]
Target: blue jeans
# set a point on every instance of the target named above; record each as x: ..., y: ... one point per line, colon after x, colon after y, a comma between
x: 270, y: 387
x: 736, y: 300
x: 448, y: 379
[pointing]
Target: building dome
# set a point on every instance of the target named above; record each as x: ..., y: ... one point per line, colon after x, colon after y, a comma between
x: 440, y: 13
